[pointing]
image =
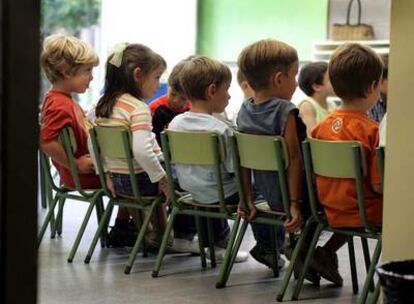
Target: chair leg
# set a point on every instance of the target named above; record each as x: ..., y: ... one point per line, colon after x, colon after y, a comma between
x: 235, y: 250
x: 376, y: 294
x: 141, y: 235
x: 42, y: 183
x: 275, y: 255
x: 367, y: 259
x: 59, y: 216
x: 164, y: 242
x: 375, y: 257
x: 103, y: 224
x: 200, y: 241
x: 352, y: 263
x: 307, y: 262
x: 99, y: 213
x: 295, y: 254
x: 82, y: 229
x: 49, y: 199
x: 140, y: 221
x: 211, y: 243
x: 47, y: 220
x: 221, y: 281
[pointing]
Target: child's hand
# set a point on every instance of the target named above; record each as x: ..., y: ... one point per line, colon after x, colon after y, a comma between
x: 110, y: 185
x: 248, y: 215
x: 296, y: 222
x: 163, y: 187
x: 85, y: 164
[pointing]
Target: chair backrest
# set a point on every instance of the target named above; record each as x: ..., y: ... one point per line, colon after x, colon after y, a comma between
x: 47, y: 171
x: 381, y: 164
x: 335, y: 159
x: 194, y: 148
x: 68, y: 142
x: 261, y: 152
x: 114, y: 143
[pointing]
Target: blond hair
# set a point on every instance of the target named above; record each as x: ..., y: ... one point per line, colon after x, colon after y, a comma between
x: 64, y: 55
x: 352, y: 70
x: 198, y: 73
x: 260, y: 60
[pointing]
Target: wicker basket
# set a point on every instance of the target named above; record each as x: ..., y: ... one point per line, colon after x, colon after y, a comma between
x: 359, y: 31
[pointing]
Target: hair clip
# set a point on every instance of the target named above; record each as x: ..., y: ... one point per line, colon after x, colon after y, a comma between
x: 117, y: 53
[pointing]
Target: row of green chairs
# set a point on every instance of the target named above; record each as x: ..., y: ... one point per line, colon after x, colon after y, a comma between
x: 249, y: 151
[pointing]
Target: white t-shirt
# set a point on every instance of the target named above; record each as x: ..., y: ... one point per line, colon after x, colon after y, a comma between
x: 383, y: 131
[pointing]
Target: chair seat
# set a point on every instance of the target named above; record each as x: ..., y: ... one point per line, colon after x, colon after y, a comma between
x: 187, y: 199
x: 146, y: 200
x: 263, y: 206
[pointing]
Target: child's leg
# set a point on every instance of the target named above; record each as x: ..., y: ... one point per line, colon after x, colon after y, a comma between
x: 335, y: 242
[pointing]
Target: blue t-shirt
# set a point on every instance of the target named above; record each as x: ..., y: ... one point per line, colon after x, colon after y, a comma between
x: 268, y: 118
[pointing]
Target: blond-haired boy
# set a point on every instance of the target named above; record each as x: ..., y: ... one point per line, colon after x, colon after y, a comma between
x: 67, y: 62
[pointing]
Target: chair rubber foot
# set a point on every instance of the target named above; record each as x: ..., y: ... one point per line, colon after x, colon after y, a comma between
x: 52, y: 236
x: 220, y: 285
x: 127, y: 269
x: 279, y: 298
x: 87, y: 260
x: 59, y: 233
x: 295, y: 298
x: 70, y: 260
x: 155, y: 274
x: 203, y: 265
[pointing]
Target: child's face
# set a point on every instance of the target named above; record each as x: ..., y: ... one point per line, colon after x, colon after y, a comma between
x: 176, y: 100
x: 373, y: 95
x: 79, y: 82
x: 151, y: 82
x: 220, y: 98
x: 287, y: 83
x: 326, y: 87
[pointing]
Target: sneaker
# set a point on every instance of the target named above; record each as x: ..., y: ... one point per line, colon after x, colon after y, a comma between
x: 219, y: 252
x: 265, y: 257
x: 326, y: 263
x: 311, y: 274
x: 186, y: 246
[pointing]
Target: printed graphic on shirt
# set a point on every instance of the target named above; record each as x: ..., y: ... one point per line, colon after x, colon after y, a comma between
x: 337, y: 124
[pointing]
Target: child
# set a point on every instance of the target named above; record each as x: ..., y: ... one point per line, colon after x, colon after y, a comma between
x: 244, y: 85
x: 314, y: 82
x: 132, y: 75
x: 67, y: 63
x: 377, y: 113
x: 355, y: 72
x: 205, y: 83
x: 165, y: 108
x: 270, y: 67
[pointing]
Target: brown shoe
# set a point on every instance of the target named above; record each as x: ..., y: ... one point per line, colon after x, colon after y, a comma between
x: 326, y: 264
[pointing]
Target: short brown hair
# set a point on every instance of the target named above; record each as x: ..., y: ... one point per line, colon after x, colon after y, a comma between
x: 352, y: 70
x: 174, y: 79
x: 64, y: 55
x: 260, y: 60
x: 199, y: 72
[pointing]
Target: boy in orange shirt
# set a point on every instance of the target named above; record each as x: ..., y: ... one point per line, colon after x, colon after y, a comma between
x: 355, y: 72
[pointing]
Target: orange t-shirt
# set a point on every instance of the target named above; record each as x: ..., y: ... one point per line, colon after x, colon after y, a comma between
x: 338, y: 195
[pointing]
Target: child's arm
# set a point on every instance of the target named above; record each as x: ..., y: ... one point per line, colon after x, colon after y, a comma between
x: 54, y: 150
x: 294, y: 174
x: 308, y: 115
x: 247, y: 186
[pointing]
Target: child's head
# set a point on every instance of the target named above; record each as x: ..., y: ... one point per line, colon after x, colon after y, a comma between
x: 68, y: 58
x: 355, y: 72
x: 133, y: 69
x: 244, y: 85
x: 270, y: 66
x: 206, y: 80
x: 176, y: 94
x: 314, y: 78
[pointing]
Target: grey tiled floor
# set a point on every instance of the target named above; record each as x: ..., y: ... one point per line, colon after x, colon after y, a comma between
x: 181, y: 279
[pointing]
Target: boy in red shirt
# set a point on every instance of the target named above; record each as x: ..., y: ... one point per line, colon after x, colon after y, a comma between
x: 355, y: 72
x: 67, y: 63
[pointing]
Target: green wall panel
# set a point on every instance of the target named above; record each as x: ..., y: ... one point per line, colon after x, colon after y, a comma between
x: 226, y: 26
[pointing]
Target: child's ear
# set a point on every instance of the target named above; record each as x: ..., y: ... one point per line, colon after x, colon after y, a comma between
x: 276, y: 78
x: 373, y: 86
x: 137, y: 74
x: 211, y: 90
x: 316, y: 87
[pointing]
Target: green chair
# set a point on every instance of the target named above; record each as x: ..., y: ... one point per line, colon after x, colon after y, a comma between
x: 91, y: 196
x: 340, y: 159
x: 269, y: 153
x: 116, y: 143
x: 196, y: 148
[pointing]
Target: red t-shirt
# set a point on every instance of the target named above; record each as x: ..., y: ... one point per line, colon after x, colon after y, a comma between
x: 338, y: 195
x: 163, y: 101
x: 58, y: 111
